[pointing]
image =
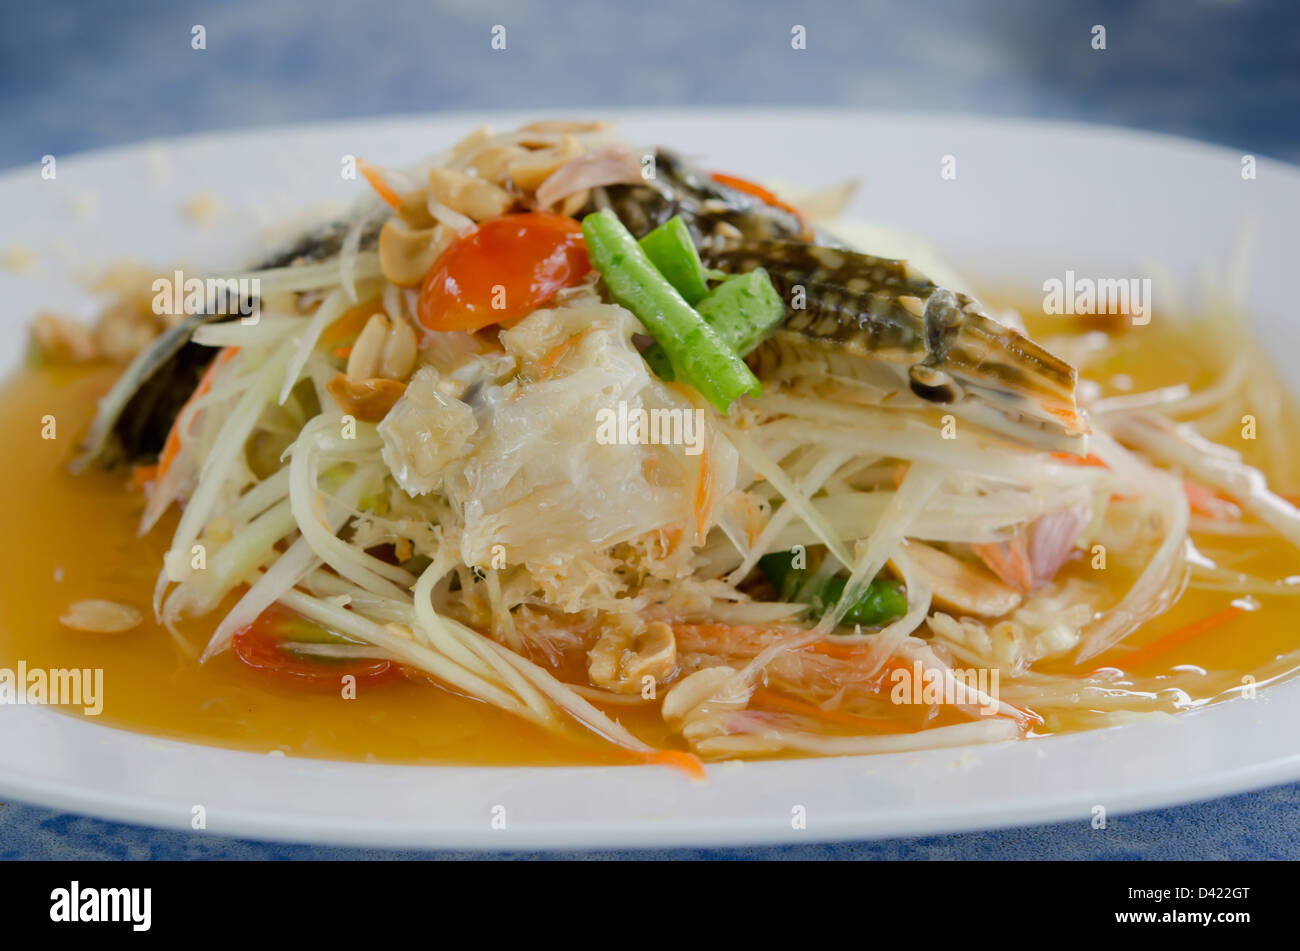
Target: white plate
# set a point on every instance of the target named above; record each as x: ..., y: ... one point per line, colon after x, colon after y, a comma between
x: 1029, y: 201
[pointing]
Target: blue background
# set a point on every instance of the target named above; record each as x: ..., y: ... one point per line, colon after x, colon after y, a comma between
x: 80, y: 75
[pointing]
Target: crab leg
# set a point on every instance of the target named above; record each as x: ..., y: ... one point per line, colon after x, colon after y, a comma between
x: 878, y: 321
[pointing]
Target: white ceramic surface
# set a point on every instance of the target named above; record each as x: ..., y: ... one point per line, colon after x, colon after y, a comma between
x: 1029, y: 201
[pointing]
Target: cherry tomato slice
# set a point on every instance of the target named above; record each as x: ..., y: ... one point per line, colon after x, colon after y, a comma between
x: 503, y: 270
x: 260, y: 645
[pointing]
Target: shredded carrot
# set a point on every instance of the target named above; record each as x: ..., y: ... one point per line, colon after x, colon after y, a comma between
x: 557, y: 353
x: 1206, y: 501
x: 172, y: 446
x: 854, y: 652
x: 759, y: 192
x: 687, y: 763
x: 553, y: 357
x: 342, y: 352
x: 1182, y: 635
x: 1091, y: 459
x: 1069, y: 415
x: 703, y: 495
x: 781, y: 702
x: 753, y: 520
x: 390, y: 197
x: 142, y: 475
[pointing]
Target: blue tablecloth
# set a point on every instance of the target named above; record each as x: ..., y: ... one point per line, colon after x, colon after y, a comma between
x: 80, y: 74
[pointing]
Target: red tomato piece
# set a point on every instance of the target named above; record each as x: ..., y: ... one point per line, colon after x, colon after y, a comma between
x: 260, y: 645
x: 503, y: 270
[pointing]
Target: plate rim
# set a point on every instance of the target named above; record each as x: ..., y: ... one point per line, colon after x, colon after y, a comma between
x: 241, y: 822
x: 250, y: 822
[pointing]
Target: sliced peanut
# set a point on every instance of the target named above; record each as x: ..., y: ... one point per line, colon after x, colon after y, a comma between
x: 468, y: 195
x: 533, y: 169
x: 96, y: 616
x: 702, y: 694
x: 961, y: 586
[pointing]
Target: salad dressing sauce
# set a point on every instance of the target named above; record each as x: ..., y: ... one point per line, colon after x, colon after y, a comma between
x: 69, y: 538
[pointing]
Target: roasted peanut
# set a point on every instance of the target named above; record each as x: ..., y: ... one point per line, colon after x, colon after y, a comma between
x: 472, y: 197
x: 384, y: 349
x: 491, y: 163
x: 405, y: 255
x: 367, y: 400
x: 623, y: 656
x: 398, y: 356
x: 534, y: 168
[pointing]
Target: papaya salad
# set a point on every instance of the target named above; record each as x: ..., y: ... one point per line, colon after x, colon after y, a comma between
x: 577, y: 429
